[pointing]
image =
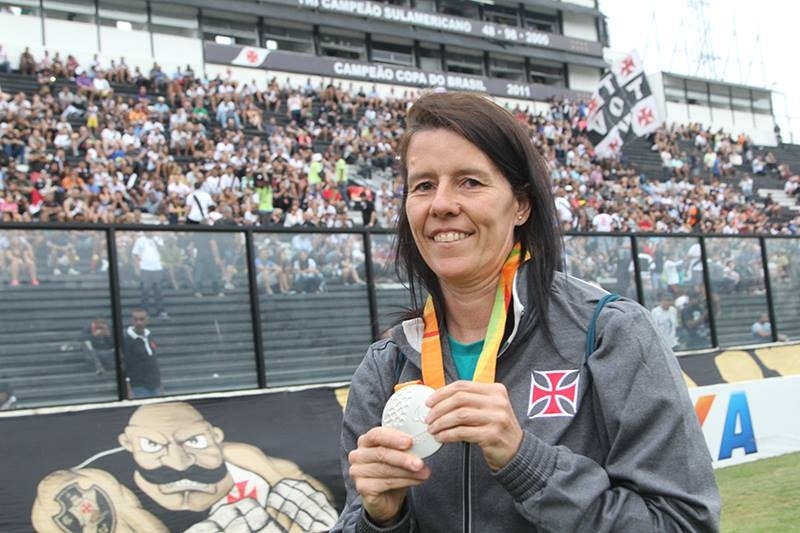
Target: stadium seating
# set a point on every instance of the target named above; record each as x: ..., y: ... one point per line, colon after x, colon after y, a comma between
x: 208, y: 344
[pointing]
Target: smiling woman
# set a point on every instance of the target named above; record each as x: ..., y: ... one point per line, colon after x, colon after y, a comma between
x: 536, y: 422
x: 462, y: 211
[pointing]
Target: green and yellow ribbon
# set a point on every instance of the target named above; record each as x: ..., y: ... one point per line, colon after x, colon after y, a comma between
x: 432, y: 361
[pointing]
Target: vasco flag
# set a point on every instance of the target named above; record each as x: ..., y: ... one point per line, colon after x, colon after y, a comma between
x: 250, y: 56
x: 621, y: 108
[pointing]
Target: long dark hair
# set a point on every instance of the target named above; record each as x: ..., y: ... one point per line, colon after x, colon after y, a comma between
x: 505, y: 142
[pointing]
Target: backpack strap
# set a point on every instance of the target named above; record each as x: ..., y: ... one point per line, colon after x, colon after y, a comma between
x: 601, y: 430
x: 591, y: 333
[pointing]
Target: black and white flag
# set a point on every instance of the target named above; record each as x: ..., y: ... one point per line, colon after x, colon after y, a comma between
x: 621, y: 108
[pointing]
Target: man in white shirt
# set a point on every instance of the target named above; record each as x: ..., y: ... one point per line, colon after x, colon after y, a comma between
x: 147, y: 261
x: 602, y: 221
x: 564, y: 209
x: 197, y: 204
x: 665, y: 316
x: 101, y: 86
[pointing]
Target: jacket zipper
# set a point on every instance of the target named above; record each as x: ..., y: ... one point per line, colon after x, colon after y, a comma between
x: 466, y: 519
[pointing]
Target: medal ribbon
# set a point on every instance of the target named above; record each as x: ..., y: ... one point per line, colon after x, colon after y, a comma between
x: 432, y: 361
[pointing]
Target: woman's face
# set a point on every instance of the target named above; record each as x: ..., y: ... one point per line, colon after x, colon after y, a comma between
x: 461, y: 209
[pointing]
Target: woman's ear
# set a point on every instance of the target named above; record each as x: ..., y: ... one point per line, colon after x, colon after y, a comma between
x: 523, y: 210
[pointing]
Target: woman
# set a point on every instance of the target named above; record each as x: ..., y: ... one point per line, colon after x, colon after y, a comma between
x: 535, y: 437
x: 19, y: 256
x: 254, y: 116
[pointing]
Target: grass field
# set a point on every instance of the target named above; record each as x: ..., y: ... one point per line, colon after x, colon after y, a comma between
x: 762, y: 496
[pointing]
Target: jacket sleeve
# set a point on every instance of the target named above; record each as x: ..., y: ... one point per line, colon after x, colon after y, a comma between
x: 657, y: 475
x: 370, y: 388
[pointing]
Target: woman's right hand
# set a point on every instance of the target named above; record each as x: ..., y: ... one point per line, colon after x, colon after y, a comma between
x: 382, y: 469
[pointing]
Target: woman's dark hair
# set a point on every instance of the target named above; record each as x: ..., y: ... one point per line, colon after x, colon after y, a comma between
x: 505, y: 142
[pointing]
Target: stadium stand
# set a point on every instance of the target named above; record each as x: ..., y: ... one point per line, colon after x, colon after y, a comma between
x: 320, y: 147
x: 365, y: 137
x: 208, y: 346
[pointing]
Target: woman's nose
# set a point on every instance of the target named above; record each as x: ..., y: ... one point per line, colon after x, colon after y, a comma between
x: 445, y: 201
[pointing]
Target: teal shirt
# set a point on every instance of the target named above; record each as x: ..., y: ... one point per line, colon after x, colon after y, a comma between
x: 465, y: 357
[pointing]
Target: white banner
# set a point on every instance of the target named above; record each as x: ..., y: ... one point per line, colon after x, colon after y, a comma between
x: 749, y: 420
x: 250, y: 56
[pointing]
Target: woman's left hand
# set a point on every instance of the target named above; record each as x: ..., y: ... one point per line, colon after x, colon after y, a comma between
x: 479, y: 413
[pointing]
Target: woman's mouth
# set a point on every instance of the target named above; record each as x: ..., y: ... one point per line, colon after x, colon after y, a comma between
x: 450, y: 236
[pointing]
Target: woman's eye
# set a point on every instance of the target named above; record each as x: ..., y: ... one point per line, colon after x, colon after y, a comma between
x: 471, y: 182
x: 422, y: 186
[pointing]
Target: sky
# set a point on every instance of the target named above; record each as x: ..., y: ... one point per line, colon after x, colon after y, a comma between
x: 748, y: 42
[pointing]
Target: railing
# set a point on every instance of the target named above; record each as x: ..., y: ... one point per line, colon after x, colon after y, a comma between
x: 222, y: 331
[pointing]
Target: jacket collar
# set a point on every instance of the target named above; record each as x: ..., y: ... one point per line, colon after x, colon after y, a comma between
x: 144, y: 338
x: 132, y: 333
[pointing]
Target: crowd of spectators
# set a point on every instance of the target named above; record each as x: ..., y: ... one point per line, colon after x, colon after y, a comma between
x: 105, y: 143
x: 77, y: 150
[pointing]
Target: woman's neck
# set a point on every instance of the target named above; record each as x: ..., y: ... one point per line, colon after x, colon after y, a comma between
x: 467, y: 312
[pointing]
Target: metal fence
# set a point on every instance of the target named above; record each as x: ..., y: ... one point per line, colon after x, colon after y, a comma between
x: 232, y: 308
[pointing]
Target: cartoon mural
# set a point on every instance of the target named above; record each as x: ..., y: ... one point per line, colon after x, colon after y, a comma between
x: 185, y: 469
x: 746, y: 364
x: 176, y: 471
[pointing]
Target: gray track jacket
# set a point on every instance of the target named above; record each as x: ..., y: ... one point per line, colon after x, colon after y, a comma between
x: 612, y: 447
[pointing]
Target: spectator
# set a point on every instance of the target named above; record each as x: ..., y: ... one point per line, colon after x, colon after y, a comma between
x: 563, y: 208
x: 275, y: 218
x: 295, y: 216
x: 19, y: 256
x: 351, y: 262
x: 340, y: 178
x: 227, y: 247
x: 762, y: 330
x: 307, y: 277
x: 226, y: 110
x: 159, y: 110
x: 100, y: 85
x: 71, y: 66
x: 254, y: 116
x: 13, y: 145
x: 143, y: 374
x: 62, y: 253
x: 83, y: 83
x: 146, y: 255
x: 174, y: 260
x: 99, y: 345
x: 271, y: 275
x: 694, y: 319
x: 158, y: 79
x: 27, y: 64
x: 315, y: 171
x: 264, y: 196
x: 208, y: 264
x: 602, y: 221
x: 198, y: 204
x: 367, y: 207
x: 665, y: 316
